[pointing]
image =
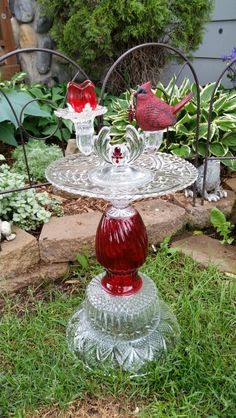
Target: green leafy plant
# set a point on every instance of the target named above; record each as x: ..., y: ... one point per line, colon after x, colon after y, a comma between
x: 117, y: 116
x: 39, y: 156
x: 83, y: 261
x: 165, y: 246
x: 97, y: 32
x: 38, y: 117
x: 27, y: 209
x: 181, y: 140
x: 223, y: 128
x: 223, y: 227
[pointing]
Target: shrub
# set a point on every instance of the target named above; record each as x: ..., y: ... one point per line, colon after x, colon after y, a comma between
x: 39, y: 156
x: 97, y: 32
x: 27, y: 209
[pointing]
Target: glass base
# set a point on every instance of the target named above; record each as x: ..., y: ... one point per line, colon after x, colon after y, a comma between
x: 123, y: 176
x: 122, y: 331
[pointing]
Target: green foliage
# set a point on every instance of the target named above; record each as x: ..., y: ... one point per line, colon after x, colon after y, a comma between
x: 223, y: 227
x: 223, y: 128
x: 27, y: 209
x: 117, y: 116
x: 39, y: 156
x: 96, y: 33
x: 182, y: 134
x: 83, y: 261
x: 38, y: 117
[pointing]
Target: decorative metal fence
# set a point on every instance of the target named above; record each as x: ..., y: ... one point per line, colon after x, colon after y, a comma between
x: 25, y: 135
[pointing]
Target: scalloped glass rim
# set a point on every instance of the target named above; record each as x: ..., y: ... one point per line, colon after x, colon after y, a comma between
x: 170, y: 174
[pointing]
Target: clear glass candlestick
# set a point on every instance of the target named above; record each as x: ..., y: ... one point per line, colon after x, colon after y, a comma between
x: 153, y: 140
x: 84, y: 125
x: 84, y: 135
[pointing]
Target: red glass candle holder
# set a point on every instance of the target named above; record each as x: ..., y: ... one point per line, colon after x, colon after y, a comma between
x: 79, y: 95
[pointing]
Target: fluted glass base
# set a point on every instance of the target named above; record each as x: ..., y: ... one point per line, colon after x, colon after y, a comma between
x: 123, y: 331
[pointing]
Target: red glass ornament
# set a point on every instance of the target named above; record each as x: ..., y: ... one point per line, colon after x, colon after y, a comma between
x: 78, y: 95
x: 121, y: 247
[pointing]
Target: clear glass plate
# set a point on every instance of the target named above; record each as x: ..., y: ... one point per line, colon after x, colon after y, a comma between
x: 168, y: 173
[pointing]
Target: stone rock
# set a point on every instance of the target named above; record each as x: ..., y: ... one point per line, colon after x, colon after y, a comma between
x: 61, y: 72
x: 19, y: 255
x: 43, y: 24
x: 27, y: 37
x: 71, y: 147
x: 63, y: 194
x: 206, y: 251
x: 23, y: 11
x: 198, y: 216
x: 40, y: 273
x: 15, y: 30
x: 161, y: 219
x: 28, y: 65
x: 11, y: 5
x: 44, y: 59
x: 231, y: 183
x: 63, y: 238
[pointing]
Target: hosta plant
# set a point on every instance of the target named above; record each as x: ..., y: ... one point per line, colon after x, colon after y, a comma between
x: 223, y: 127
x: 37, y: 116
x: 28, y: 209
x: 39, y: 156
x: 117, y: 116
x: 181, y: 136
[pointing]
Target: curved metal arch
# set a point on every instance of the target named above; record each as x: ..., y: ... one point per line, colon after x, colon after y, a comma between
x: 209, y: 122
x: 187, y: 62
x: 21, y: 133
x: 21, y: 128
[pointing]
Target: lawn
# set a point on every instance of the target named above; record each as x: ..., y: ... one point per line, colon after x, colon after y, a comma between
x: 198, y: 379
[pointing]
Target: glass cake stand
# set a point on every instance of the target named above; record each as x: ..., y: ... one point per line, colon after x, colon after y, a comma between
x: 122, y: 322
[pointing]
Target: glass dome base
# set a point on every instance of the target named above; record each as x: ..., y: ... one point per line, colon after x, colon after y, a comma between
x: 122, y: 331
x: 124, y: 176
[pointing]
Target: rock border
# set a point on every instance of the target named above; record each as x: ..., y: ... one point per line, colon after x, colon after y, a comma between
x: 27, y: 260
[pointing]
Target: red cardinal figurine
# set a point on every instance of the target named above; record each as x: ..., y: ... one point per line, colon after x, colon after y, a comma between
x: 152, y: 113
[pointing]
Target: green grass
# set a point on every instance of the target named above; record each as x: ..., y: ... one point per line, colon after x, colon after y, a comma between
x: 198, y: 379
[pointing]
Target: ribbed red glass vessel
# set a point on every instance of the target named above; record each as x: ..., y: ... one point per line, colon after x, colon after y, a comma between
x: 78, y: 95
x: 121, y: 247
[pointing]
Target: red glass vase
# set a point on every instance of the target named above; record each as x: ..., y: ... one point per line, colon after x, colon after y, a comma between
x: 121, y: 247
x: 78, y: 95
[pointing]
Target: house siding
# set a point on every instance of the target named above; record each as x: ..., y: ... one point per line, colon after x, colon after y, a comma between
x: 219, y: 40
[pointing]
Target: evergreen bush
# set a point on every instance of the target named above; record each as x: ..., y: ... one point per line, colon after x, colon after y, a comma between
x: 96, y: 32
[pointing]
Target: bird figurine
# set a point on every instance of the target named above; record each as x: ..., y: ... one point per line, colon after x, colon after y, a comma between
x: 152, y: 113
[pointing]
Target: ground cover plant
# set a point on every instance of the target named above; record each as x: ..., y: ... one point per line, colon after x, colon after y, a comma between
x: 196, y: 380
x: 27, y: 209
x: 39, y: 156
